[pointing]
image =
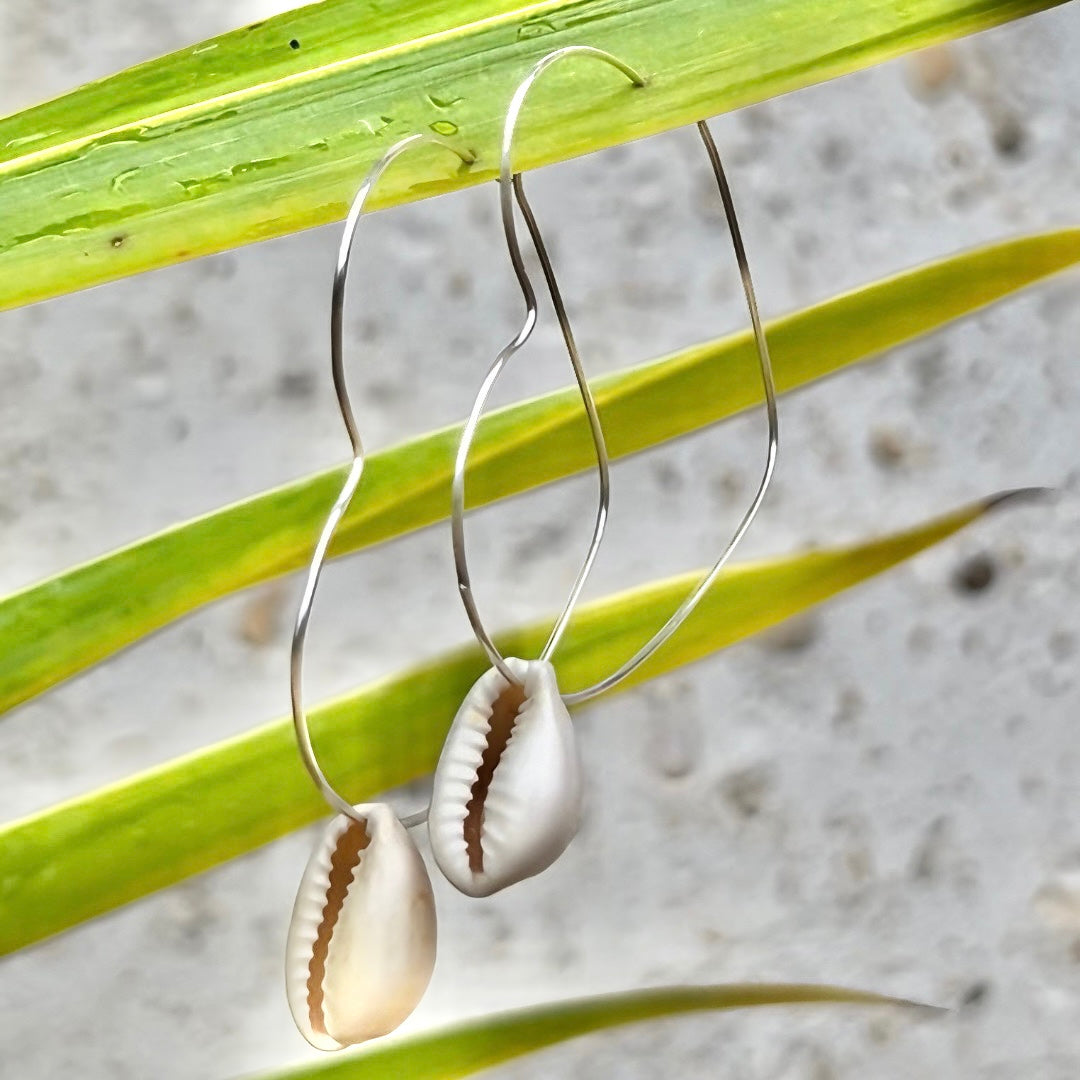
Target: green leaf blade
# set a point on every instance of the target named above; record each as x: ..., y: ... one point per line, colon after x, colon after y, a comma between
x: 154, y: 829
x: 244, y: 138
x: 478, y: 1044
x: 54, y: 629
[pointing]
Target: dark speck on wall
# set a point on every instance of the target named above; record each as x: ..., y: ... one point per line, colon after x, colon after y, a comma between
x: 1009, y: 137
x: 975, y: 574
x: 975, y: 994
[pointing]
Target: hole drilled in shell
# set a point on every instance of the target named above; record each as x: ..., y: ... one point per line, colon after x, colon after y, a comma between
x: 504, y: 711
x: 343, y: 864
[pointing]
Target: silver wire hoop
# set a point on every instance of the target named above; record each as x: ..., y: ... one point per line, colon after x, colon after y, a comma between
x: 508, y: 179
x: 511, y: 188
x: 682, y: 612
x: 352, y: 481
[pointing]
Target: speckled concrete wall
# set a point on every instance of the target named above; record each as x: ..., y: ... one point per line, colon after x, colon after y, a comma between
x: 884, y: 794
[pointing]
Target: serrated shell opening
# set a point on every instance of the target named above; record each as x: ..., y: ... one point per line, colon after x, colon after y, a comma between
x: 504, y: 712
x: 343, y: 863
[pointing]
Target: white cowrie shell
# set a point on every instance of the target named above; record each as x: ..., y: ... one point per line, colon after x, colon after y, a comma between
x: 506, y: 798
x: 361, y: 944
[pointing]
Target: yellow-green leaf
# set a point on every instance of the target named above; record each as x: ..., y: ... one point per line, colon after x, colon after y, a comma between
x: 66, y: 623
x: 269, y: 128
x: 96, y: 852
x: 478, y: 1044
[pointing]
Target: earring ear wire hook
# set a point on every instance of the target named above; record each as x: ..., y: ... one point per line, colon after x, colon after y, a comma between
x: 352, y: 480
x: 511, y: 188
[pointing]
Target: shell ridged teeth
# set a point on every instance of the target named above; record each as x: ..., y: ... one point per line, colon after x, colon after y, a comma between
x: 361, y: 946
x: 506, y: 799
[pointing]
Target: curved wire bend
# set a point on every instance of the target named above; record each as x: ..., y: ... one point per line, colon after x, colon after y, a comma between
x: 692, y: 601
x: 510, y: 189
x: 352, y: 481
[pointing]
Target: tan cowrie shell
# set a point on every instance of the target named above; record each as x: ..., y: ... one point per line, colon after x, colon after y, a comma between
x: 361, y: 944
x: 506, y: 798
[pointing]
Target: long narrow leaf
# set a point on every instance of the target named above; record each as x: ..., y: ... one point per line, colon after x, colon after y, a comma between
x: 474, y: 1045
x: 126, y: 840
x: 57, y: 628
x: 269, y: 128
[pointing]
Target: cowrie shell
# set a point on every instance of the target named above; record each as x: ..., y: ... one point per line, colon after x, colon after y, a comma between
x: 361, y: 944
x: 506, y: 798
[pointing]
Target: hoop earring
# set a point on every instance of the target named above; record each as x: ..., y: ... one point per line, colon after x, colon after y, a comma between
x: 507, y: 791
x: 361, y: 943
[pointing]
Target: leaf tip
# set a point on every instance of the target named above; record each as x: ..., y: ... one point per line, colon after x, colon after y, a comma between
x: 1015, y: 495
x: 925, y: 1009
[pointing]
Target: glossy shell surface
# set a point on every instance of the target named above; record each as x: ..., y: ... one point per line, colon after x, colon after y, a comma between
x: 361, y: 945
x: 506, y: 798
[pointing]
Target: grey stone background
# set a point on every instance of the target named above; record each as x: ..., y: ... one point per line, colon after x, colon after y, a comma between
x: 883, y: 794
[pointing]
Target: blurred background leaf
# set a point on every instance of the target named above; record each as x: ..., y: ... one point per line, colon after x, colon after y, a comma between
x: 83, y: 615
x: 185, y: 816
x: 479, y: 1044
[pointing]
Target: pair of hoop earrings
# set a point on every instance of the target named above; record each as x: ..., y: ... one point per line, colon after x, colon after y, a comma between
x: 507, y: 790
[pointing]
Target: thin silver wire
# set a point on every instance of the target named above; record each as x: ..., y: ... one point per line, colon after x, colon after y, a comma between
x: 352, y: 481
x: 511, y: 188
x: 692, y: 601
